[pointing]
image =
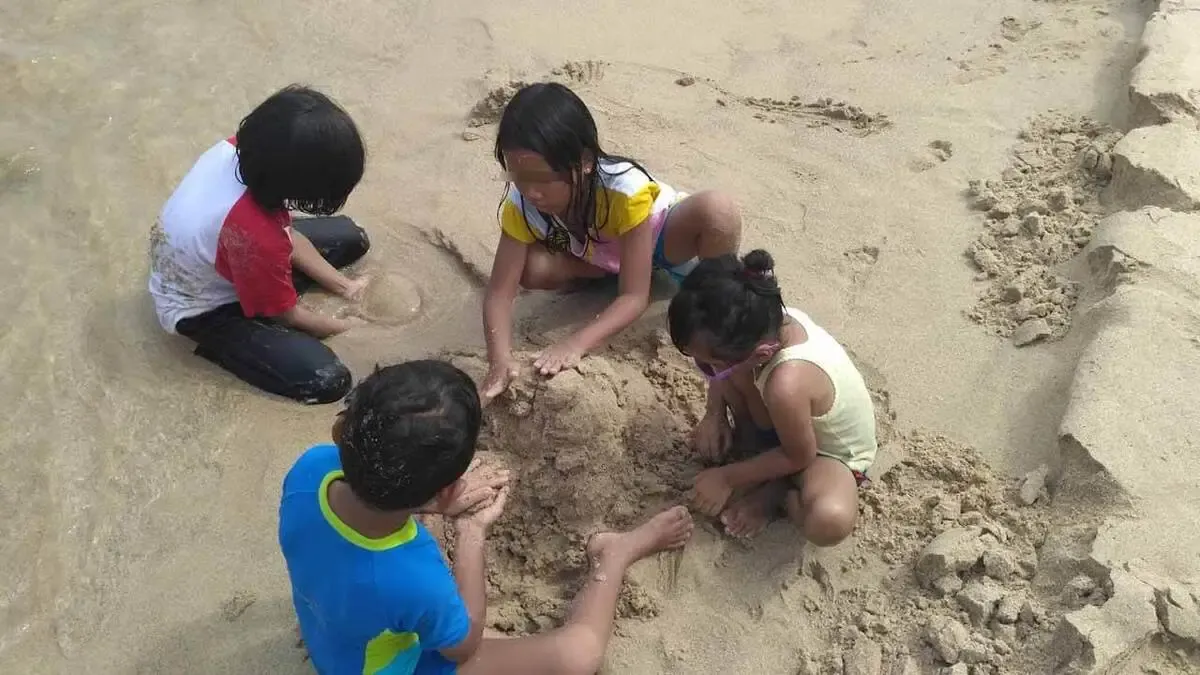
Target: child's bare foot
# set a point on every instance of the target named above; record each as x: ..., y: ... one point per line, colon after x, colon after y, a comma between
x: 748, y: 516
x: 667, y: 530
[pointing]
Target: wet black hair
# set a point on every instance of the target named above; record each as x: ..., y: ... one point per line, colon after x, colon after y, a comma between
x: 551, y: 120
x: 731, y: 305
x: 408, y: 431
x: 299, y: 150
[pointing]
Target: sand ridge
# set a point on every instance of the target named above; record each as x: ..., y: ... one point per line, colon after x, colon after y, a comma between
x: 1037, y: 216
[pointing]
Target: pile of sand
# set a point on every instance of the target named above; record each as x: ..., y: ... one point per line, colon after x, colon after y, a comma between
x: 955, y: 549
x: 593, y: 449
x: 948, y: 549
x: 1038, y: 215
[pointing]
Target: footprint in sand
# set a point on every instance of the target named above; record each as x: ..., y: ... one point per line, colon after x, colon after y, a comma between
x: 934, y: 154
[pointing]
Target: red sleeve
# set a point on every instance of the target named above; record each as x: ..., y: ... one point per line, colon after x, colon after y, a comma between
x: 254, y: 252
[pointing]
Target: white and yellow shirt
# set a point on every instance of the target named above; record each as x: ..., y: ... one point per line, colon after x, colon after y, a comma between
x: 628, y: 198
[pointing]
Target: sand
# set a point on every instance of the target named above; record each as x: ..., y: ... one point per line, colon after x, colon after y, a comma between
x: 142, y: 484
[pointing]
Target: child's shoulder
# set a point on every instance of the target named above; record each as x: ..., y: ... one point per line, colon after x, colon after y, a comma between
x: 623, y: 176
x: 311, y: 468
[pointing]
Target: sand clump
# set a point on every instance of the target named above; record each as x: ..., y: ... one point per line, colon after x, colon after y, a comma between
x: 957, y: 555
x: 598, y: 448
x: 489, y: 108
x: 1037, y: 216
x: 820, y: 113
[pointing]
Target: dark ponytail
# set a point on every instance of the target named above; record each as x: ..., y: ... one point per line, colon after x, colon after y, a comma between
x: 731, y: 304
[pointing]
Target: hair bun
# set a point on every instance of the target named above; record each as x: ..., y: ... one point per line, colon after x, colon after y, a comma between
x: 759, y: 263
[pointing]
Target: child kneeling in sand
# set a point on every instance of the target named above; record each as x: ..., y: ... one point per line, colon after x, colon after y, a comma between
x: 227, y: 261
x: 371, y: 588
x: 574, y: 211
x: 789, y: 386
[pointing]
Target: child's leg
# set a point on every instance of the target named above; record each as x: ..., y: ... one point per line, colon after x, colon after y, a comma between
x: 546, y: 271
x: 578, y: 647
x: 825, y: 507
x: 269, y: 355
x: 705, y: 225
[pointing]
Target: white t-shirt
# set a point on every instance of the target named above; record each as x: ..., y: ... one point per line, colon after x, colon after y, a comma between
x: 213, y: 245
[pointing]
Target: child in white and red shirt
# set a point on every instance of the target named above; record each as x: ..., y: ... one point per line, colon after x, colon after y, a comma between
x: 227, y: 262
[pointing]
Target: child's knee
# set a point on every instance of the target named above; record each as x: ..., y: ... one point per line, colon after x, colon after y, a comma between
x: 827, y: 522
x: 362, y: 240
x: 537, y: 277
x: 540, y: 273
x: 720, y: 211
x: 329, y: 384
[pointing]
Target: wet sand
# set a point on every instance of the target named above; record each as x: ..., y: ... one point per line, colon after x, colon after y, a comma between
x: 142, y: 483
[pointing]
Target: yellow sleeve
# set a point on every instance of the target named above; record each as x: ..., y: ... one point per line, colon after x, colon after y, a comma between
x: 628, y: 211
x: 512, y: 221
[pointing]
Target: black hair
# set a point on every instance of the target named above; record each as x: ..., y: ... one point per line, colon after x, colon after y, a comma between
x: 730, y: 304
x: 408, y: 431
x: 551, y: 120
x: 299, y: 150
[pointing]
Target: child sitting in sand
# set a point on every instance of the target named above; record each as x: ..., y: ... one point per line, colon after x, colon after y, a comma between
x: 790, y: 387
x: 227, y: 262
x: 573, y: 212
x: 371, y: 588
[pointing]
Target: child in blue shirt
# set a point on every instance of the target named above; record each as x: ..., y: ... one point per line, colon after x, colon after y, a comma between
x: 371, y: 588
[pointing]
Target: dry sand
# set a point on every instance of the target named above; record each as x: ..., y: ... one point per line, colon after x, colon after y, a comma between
x: 141, y: 484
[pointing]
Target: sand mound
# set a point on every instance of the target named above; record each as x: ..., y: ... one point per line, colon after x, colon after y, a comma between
x: 960, y: 553
x: 1038, y: 215
x: 941, y: 570
x: 593, y: 449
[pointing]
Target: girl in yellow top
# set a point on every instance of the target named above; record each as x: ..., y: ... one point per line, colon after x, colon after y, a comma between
x: 575, y: 212
x: 793, y: 393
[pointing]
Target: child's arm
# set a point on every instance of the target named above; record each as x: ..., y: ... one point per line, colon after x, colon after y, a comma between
x: 470, y: 573
x: 502, y: 289
x: 790, y: 405
x: 309, y: 260
x: 789, y: 401
x: 314, y: 324
x: 637, y: 267
x: 713, y: 434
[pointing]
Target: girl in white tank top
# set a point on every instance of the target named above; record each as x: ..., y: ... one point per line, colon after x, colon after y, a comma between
x: 801, y: 412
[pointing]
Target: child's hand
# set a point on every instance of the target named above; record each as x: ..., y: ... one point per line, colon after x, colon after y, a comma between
x: 499, y: 376
x: 711, y: 492
x: 712, y: 436
x: 484, y: 517
x: 353, y: 289
x: 480, y: 488
x: 562, y: 356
